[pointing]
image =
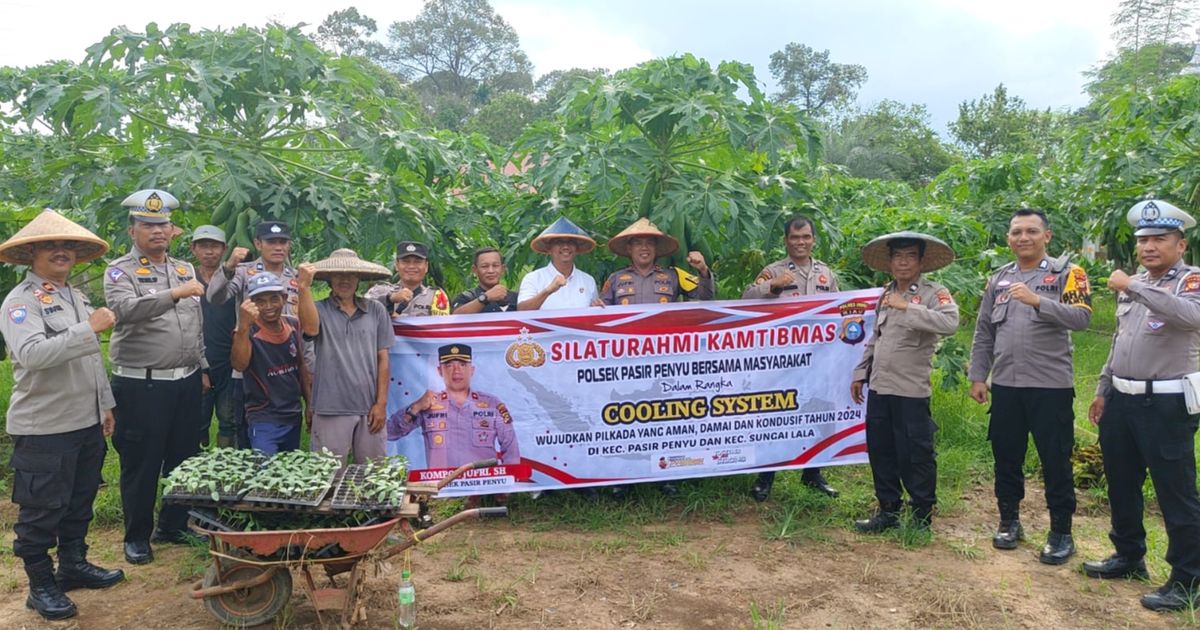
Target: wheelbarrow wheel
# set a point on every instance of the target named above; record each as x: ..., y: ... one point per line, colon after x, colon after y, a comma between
x: 252, y: 606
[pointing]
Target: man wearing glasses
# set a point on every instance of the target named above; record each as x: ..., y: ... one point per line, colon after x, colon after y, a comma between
x: 158, y: 364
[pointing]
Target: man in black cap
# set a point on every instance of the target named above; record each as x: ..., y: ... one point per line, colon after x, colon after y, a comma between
x: 273, y: 240
x: 411, y: 297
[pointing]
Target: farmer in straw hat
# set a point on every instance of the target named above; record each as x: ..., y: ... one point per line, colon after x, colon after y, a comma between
x: 60, y: 411
x: 351, y: 335
x: 559, y: 284
x: 913, y: 313
x: 644, y: 282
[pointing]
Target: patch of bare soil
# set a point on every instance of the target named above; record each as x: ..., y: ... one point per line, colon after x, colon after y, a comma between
x: 676, y: 575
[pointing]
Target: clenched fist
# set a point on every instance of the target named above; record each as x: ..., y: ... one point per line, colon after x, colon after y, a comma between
x: 306, y: 271
x: 236, y: 257
x: 785, y: 279
x: 497, y: 293
x: 403, y: 296
x: 696, y: 260
x: 557, y: 283
x: 249, y: 312
x: 191, y: 288
x: 101, y: 320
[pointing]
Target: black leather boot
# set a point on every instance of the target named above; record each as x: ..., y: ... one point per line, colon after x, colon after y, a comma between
x: 1010, y: 532
x: 922, y: 516
x: 1059, y: 545
x: 813, y: 478
x: 1116, y: 567
x: 885, y: 518
x: 44, y: 594
x: 74, y: 571
x: 761, y: 489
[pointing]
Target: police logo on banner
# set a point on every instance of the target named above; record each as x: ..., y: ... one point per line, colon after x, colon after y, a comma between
x: 853, y: 328
x: 525, y: 352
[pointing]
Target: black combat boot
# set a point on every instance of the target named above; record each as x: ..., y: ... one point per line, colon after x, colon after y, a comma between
x: 1010, y: 532
x: 1059, y: 545
x: 761, y: 489
x: 813, y: 478
x: 44, y: 594
x: 885, y: 518
x: 1117, y: 567
x: 74, y: 570
x: 922, y: 516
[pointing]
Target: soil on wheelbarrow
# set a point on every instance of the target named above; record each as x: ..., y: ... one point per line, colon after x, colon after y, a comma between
x: 683, y: 573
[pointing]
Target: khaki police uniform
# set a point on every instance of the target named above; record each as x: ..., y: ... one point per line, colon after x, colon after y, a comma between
x: 659, y: 285
x: 1028, y: 353
x: 426, y: 300
x: 157, y: 352
x: 817, y: 277
x: 896, y: 367
x: 1145, y: 424
x: 479, y: 428
x: 60, y: 393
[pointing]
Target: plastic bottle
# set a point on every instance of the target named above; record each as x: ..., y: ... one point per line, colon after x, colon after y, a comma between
x: 406, y: 616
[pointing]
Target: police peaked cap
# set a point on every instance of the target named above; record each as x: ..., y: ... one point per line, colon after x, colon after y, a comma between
x: 454, y: 352
x: 151, y: 205
x: 1155, y: 216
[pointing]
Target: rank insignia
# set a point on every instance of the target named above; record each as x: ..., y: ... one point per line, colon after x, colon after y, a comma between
x: 48, y: 287
x: 143, y: 261
x: 503, y: 411
x: 181, y: 270
x: 142, y: 271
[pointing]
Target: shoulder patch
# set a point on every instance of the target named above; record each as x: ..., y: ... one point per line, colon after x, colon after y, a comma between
x: 441, y: 304
x: 944, y: 297
x: 1191, y: 284
x: 1076, y: 290
x: 17, y: 313
x: 687, y: 281
x: 114, y: 274
x: 503, y: 411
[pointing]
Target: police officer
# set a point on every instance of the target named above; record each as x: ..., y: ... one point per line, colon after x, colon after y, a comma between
x: 158, y: 362
x: 460, y: 425
x: 912, y: 315
x: 798, y: 274
x: 273, y: 241
x: 1141, y: 407
x: 411, y: 297
x: 60, y: 410
x: 489, y: 296
x: 1023, y: 339
x: 644, y: 282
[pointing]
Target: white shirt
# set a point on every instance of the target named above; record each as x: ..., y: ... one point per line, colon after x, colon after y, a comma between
x: 579, y: 292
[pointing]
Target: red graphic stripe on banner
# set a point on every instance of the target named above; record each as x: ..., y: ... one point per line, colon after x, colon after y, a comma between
x: 561, y: 476
x: 820, y: 447
x: 853, y: 449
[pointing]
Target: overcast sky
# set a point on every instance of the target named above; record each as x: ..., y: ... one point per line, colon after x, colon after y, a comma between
x: 936, y: 52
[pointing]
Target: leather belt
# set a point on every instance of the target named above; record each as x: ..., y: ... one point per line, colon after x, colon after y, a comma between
x: 1133, y: 388
x: 170, y: 374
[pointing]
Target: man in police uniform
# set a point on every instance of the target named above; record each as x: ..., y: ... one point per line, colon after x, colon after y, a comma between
x: 1142, y: 408
x: 60, y: 410
x: 644, y: 282
x: 273, y: 241
x: 490, y: 296
x: 798, y: 274
x: 1023, y: 339
x: 460, y: 425
x: 912, y: 315
x: 158, y: 363
x: 411, y: 297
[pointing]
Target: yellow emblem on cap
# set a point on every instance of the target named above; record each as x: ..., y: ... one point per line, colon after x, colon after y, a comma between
x: 154, y: 202
x: 453, y: 349
x: 437, y: 439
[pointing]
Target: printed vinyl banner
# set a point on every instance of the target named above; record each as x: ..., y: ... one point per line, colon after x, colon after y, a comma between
x: 626, y: 394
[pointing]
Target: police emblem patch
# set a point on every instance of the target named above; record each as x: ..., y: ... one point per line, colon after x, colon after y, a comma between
x: 916, y: 299
x: 115, y: 274
x: 854, y: 329
x: 17, y: 313
x: 1191, y: 284
x: 823, y: 279
x: 1154, y: 324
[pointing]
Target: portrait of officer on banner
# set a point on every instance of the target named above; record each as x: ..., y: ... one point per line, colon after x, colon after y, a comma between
x: 458, y: 424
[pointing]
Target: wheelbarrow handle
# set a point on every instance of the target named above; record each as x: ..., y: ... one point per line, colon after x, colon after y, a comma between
x: 493, y: 512
x: 454, y: 474
x: 422, y: 535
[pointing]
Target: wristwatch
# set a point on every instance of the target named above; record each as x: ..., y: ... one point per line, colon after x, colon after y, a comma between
x: 483, y: 298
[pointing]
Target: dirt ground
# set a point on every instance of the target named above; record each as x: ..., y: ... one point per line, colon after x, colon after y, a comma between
x: 677, y: 575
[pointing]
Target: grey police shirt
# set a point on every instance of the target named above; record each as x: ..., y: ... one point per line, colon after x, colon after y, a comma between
x: 898, y: 359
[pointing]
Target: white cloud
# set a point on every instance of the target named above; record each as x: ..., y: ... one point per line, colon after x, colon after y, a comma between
x: 561, y: 36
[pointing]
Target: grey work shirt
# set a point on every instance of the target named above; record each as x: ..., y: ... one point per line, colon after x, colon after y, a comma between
x: 426, y: 300
x: 59, y: 384
x: 1023, y: 346
x: 1158, y: 328
x: 153, y: 330
x: 231, y: 285
x: 347, y: 347
x: 657, y: 286
x: 899, y: 357
x: 815, y: 278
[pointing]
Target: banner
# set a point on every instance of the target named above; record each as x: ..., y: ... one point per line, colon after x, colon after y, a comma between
x: 626, y: 394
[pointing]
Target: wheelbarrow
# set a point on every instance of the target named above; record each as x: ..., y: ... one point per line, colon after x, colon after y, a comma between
x: 244, y: 586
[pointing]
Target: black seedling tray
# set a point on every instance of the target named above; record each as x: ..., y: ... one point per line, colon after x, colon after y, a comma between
x: 346, y: 497
x: 312, y: 499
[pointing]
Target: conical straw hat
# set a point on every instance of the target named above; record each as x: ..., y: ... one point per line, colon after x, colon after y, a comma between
x: 51, y: 226
x: 346, y: 261
x: 664, y: 244
x: 937, y: 253
x: 563, y: 228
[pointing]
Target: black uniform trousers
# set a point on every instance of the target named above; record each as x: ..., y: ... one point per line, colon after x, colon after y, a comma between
x: 900, y: 446
x: 1155, y: 432
x: 55, y: 479
x: 157, y: 428
x: 1046, y: 413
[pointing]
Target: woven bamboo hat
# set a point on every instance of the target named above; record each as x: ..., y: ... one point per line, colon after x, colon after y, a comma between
x: 346, y: 261
x: 937, y: 253
x: 664, y: 244
x: 563, y: 228
x: 51, y: 226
